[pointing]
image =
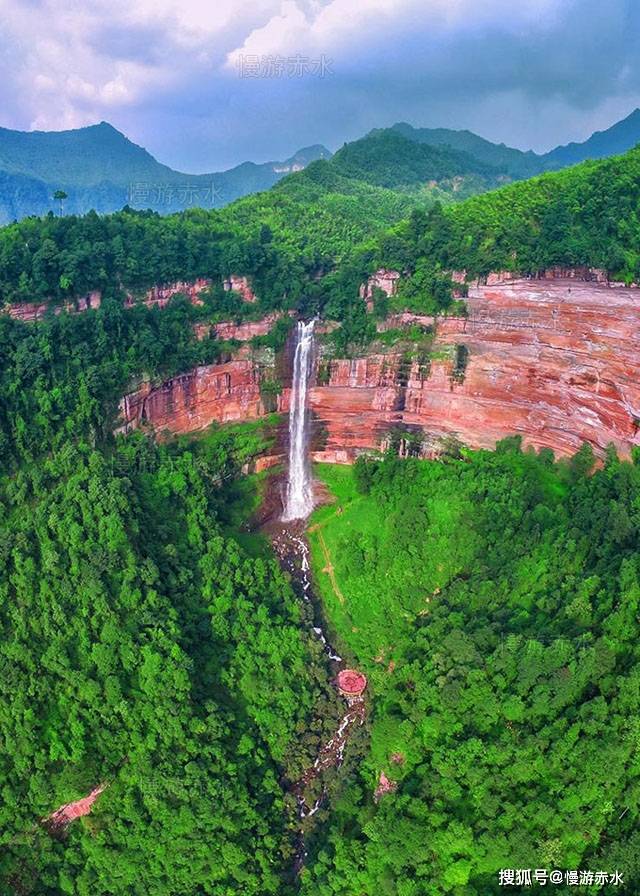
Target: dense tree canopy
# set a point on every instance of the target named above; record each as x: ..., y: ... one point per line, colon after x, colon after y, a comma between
x: 144, y: 649
x: 150, y: 644
x: 145, y: 644
x: 493, y: 602
x: 586, y: 215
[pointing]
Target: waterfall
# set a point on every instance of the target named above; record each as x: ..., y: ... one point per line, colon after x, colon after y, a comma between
x: 299, y: 499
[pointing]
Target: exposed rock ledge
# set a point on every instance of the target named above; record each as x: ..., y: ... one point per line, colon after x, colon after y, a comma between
x: 158, y: 295
x: 213, y: 393
x: 33, y: 311
x: 71, y: 811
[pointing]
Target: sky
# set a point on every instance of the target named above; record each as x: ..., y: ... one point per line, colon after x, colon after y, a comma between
x: 206, y: 84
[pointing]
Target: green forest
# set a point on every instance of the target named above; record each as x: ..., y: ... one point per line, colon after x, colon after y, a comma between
x: 309, y: 242
x: 144, y: 649
x: 146, y: 644
x: 492, y: 600
x: 152, y: 644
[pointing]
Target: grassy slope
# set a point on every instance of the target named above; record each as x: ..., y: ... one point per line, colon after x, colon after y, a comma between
x: 374, y: 611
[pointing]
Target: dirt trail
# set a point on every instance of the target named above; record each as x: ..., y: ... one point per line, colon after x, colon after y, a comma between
x: 328, y: 568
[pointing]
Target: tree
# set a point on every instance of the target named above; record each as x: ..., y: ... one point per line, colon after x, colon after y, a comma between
x: 60, y: 196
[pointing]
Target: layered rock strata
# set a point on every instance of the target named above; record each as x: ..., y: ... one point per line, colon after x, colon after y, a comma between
x: 555, y: 361
x: 213, y: 393
x: 34, y: 311
x: 162, y: 294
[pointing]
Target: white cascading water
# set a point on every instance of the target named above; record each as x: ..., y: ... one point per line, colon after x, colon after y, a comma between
x: 299, y: 498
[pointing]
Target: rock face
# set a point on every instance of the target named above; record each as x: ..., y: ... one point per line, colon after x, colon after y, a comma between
x: 404, y: 319
x: 161, y: 295
x: 33, y: 311
x: 385, y: 785
x: 242, y: 286
x: 383, y: 279
x: 71, y: 811
x: 554, y: 361
x: 588, y: 275
x: 243, y: 332
x: 221, y: 393
x: 29, y: 311
x: 157, y: 295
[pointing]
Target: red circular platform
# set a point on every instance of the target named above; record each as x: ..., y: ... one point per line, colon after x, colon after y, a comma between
x: 351, y: 683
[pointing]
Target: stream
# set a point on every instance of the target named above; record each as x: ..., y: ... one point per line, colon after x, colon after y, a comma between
x: 292, y: 549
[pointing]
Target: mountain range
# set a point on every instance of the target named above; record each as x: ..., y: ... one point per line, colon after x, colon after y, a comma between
x: 99, y: 168
x: 619, y: 138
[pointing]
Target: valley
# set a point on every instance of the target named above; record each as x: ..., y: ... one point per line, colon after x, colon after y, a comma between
x: 428, y: 670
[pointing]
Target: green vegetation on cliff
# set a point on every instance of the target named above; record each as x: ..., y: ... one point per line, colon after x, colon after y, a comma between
x: 282, y: 239
x: 311, y: 240
x: 586, y: 215
x: 61, y: 380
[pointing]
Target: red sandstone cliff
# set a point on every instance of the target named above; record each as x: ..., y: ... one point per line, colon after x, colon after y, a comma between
x: 554, y: 361
x: 72, y: 811
x: 245, y: 331
x: 161, y: 295
x: 241, y: 285
x: 33, y: 311
x: 385, y: 280
x: 221, y: 393
x: 156, y: 295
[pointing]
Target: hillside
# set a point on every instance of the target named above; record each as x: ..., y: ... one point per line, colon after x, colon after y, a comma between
x: 388, y: 159
x: 617, y: 139
x: 99, y: 168
x: 282, y: 238
x: 495, y: 614
x: 287, y: 236
x: 513, y: 162
x: 156, y: 651
x: 585, y: 215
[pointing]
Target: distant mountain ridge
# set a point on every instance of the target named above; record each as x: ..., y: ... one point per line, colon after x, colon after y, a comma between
x: 98, y: 167
x: 617, y: 139
x: 516, y: 163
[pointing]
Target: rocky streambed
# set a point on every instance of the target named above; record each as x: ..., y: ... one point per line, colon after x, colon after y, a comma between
x: 292, y: 549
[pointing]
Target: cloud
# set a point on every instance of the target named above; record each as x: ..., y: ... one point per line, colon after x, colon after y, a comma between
x: 168, y: 72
